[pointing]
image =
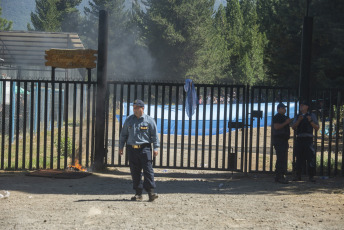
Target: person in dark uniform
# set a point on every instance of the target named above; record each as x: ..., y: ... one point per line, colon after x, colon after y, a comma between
x: 281, y: 135
x: 304, y: 124
x: 139, y: 132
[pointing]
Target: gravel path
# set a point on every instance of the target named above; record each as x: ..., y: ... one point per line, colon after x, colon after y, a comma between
x: 187, y: 200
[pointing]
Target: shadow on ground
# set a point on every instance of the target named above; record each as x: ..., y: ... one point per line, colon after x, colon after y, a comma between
x: 168, y: 182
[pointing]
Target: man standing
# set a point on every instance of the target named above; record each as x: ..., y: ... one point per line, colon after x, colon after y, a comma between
x: 139, y: 132
x: 281, y: 135
x: 304, y: 124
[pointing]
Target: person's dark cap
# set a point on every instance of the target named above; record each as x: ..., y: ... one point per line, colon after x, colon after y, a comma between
x: 281, y: 105
x: 139, y: 103
x: 305, y: 103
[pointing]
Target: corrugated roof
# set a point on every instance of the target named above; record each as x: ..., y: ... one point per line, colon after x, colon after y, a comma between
x: 22, y: 48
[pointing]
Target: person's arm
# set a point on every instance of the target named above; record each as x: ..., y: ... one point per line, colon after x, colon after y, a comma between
x: 278, y: 126
x: 123, y: 137
x: 296, y: 124
x: 154, y: 137
x: 313, y: 121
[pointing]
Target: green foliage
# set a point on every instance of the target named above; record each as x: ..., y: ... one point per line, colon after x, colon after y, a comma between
x: 55, y: 16
x: 176, y: 33
x: 5, y: 24
x: 244, y: 42
x: 62, y: 146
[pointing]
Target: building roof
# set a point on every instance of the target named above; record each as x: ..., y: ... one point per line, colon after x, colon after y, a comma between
x: 27, y: 48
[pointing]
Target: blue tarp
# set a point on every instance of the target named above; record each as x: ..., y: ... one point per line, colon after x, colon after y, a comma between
x: 206, y: 119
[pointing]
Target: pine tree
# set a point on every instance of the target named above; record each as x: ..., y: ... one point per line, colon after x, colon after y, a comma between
x: 46, y: 17
x: 175, y: 32
x: 55, y: 15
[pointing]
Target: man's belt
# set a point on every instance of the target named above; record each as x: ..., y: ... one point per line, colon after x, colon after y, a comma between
x: 139, y: 146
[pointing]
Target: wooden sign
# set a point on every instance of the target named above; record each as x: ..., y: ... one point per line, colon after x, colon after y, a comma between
x: 71, y: 58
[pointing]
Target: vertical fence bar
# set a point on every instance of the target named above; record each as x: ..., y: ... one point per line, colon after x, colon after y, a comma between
x: 10, y: 135
x: 149, y: 98
x: 107, y: 111
x: 189, y: 134
x: 247, y: 99
x: 176, y: 128
x: 3, y: 124
x: 121, y: 116
x: 52, y: 122
x: 337, y: 133
x: 88, y: 116
x: 196, y: 129
x: 31, y: 123
x: 265, y: 127
x: 258, y: 128
x: 237, y: 95
x: 113, y: 124
x: 162, y: 125
x: 38, y: 115
x: 211, y: 125
x: 322, y: 135
x: 93, y: 123
x: 24, y: 126
x: 271, y: 129
x: 81, y: 121
x: 204, y: 125
x: 230, y: 126
x: 128, y: 110
x: 183, y: 131
x: 329, y: 155
x: 156, y: 117
x: 66, y: 140
x: 45, y: 123
x: 224, y: 147
x: 59, y: 127
x: 217, y: 127
x: 243, y: 130
x: 251, y: 130
x: 17, y: 101
x: 74, y: 122
x: 169, y: 124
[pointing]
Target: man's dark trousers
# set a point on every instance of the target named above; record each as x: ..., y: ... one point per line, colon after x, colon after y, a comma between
x: 304, y: 151
x: 281, y: 146
x: 141, y: 159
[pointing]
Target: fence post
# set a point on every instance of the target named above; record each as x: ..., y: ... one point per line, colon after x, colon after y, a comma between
x: 99, y: 156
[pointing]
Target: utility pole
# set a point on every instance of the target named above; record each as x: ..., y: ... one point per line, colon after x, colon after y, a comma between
x: 99, y: 157
x: 306, y: 52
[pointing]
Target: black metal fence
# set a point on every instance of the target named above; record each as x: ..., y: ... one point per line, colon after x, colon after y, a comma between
x: 46, y: 124
x: 51, y: 124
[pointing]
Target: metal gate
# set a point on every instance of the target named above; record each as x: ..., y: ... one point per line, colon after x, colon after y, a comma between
x: 229, y: 130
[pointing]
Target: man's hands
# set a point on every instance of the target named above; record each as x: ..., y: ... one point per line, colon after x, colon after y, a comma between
x: 155, y: 153
x: 121, y: 152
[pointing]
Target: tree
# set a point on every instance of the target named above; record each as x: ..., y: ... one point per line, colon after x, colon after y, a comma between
x: 213, y: 57
x: 55, y: 15
x: 281, y: 21
x: 175, y: 32
x: 46, y: 17
x: 328, y: 43
x: 5, y: 24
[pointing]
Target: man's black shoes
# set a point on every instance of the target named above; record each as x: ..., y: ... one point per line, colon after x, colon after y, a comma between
x: 137, y: 198
x: 281, y: 179
x: 152, y: 196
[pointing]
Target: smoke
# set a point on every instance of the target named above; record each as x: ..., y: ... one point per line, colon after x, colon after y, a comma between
x: 127, y: 60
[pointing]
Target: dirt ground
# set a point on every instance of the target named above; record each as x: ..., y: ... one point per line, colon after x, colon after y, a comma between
x: 187, y: 200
